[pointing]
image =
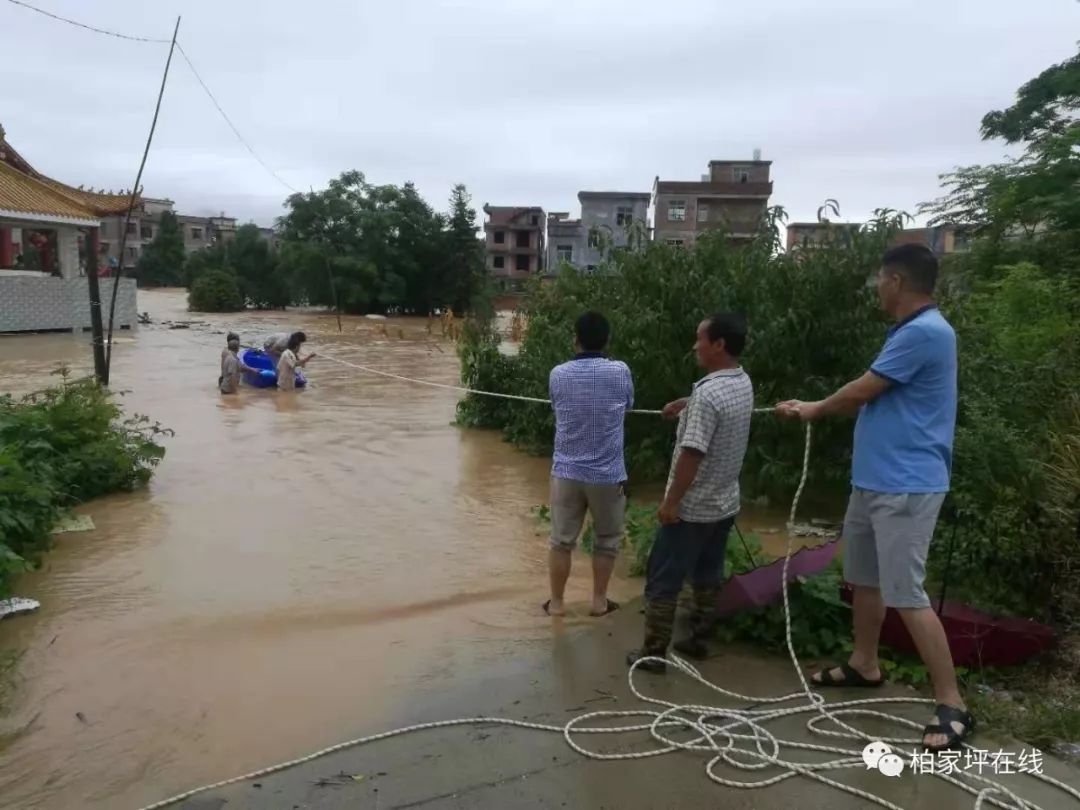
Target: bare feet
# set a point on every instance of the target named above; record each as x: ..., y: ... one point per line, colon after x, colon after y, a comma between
x: 602, y: 606
x: 554, y: 607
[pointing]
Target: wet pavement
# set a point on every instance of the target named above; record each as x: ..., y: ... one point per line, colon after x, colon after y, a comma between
x: 550, y: 682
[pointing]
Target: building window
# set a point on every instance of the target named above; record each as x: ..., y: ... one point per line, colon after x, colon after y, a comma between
x: 521, y: 262
x: 594, y: 239
x: 564, y: 253
x: 740, y: 174
x: 702, y: 213
x: 500, y: 237
x: 131, y: 226
x: 535, y: 219
x: 675, y: 243
x: 146, y: 231
x: 132, y: 252
x: 676, y: 211
x: 624, y: 215
x: 196, y: 233
x: 498, y: 262
x: 522, y: 239
x: 591, y: 268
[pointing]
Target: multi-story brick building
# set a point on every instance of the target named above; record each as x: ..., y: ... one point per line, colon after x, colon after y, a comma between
x: 732, y: 196
x: 606, y: 216
x: 514, y: 241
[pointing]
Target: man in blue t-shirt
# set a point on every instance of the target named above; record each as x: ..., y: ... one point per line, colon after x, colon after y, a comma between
x: 906, y: 405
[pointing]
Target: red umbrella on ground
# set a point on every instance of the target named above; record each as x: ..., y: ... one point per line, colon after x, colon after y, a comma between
x: 975, y: 638
x: 764, y: 585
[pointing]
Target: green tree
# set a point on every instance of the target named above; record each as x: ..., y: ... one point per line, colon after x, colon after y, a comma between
x: 1037, y: 191
x: 215, y: 291
x: 212, y: 257
x: 466, y: 275
x: 380, y: 248
x: 262, y: 281
x: 162, y: 261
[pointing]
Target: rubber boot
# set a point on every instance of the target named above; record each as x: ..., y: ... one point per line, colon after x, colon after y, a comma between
x: 702, y: 624
x: 659, y: 621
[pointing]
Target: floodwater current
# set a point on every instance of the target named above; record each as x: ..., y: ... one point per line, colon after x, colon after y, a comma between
x: 299, y: 566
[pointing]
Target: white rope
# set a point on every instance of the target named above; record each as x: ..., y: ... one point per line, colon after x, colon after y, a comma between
x: 738, y: 738
x: 475, y: 392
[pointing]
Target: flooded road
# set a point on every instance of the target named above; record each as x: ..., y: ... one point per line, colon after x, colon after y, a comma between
x: 299, y: 566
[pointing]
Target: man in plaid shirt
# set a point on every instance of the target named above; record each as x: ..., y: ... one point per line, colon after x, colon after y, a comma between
x: 590, y: 395
x: 702, y: 496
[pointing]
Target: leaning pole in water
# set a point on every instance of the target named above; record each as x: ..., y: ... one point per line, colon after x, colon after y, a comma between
x: 101, y: 373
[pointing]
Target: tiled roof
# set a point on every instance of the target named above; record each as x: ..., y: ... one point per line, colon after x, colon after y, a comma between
x: 24, y: 194
x: 100, y: 204
x: 23, y: 182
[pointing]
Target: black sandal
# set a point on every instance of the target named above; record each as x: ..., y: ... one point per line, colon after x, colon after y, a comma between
x: 946, y: 716
x: 850, y: 677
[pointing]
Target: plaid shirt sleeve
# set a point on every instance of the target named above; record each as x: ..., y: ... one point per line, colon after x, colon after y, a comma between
x: 702, y: 419
x: 629, y: 388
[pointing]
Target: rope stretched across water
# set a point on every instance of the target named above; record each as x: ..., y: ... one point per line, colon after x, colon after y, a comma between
x: 737, y: 738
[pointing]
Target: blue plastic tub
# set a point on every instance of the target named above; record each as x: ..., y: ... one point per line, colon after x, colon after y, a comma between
x: 267, y: 376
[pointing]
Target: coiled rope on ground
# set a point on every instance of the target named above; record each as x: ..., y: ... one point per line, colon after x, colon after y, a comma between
x: 737, y: 738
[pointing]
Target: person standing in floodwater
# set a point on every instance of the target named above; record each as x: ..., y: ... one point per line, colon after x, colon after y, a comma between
x: 276, y: 344
x: 290, y: 361
x: 590, y: 395
x: 232, y: 367
x: 702, y: 496
x: 225, y: 354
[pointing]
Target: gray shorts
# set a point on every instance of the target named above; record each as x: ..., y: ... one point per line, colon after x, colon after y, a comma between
x: 886, y: 539
x: 570, y: 500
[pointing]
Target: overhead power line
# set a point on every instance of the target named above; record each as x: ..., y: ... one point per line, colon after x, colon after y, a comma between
x: 89, y: 27
x: 228, y: 121
x: 187, y: 59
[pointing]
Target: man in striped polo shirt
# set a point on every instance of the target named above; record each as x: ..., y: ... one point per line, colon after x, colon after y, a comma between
x: 702, y: 496
x: 590, y: 395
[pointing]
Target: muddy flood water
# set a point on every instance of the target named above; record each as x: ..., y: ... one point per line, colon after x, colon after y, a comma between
x: 300, y: 565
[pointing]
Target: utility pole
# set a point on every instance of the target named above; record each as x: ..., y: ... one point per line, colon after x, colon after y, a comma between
x: 131, y: 203
x: 90, y: 244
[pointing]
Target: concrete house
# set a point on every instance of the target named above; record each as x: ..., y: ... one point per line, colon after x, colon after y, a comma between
x: 606, y: 217
x: 732, y: 196
x: 514, y: 241
x: 43, y: 225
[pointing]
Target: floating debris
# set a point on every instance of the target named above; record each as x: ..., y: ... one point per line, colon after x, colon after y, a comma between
x: 804, y: 530
x: 16, y: 606
x: 74, y: 523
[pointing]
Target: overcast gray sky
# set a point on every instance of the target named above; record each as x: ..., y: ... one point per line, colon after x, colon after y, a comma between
x: 525, y: 102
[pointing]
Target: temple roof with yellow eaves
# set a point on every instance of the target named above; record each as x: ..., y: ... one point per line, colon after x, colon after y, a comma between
x: 25, y: 193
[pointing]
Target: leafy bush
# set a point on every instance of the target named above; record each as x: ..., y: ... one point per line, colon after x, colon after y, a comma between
x: 60, y: 447
x: 215, y: 291
x: 1016, y: 510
